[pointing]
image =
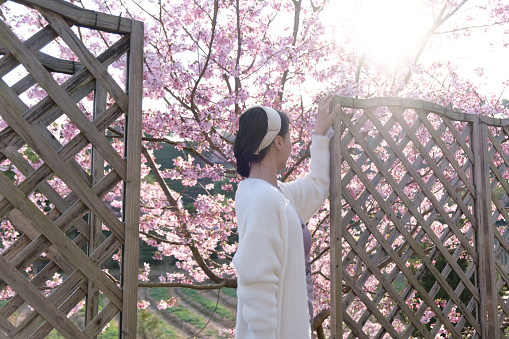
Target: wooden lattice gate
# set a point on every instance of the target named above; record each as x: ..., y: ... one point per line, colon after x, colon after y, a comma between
x: 419, y: 245
x: 76, y: 231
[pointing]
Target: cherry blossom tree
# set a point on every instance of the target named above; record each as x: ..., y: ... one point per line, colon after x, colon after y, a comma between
x: 208, y: 60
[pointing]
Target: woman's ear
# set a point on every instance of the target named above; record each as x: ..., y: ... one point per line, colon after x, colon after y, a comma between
x: 278, y: 141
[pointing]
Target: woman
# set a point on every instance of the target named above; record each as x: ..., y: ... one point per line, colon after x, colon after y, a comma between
x: 274, y: 288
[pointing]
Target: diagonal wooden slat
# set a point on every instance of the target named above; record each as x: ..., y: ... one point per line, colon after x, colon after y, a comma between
x: 459, y: 139
x: 78, y: 208
x: 48, y: 271
x: 83, y: 17
x: 22, y: 107
x: 92, y: 329
x: 90, y: 62
x: 16, y: 247
x: 36, y: 330
x: 60, y: 204
x: 38, y: 281
x: 67, y: 287
x: 506, y: 130
x: 34, y: 180
x: 378, y: 217
x: 438, y: 141
x: 371, y: 306
x: 419, y: 180
x: 375, y: 181
x: 408, y: 274
x: 40, y: 244
x: 51, y: 232
x: 412, y: 208
x: 23, y: 85
x: 64, y: 222
x: 6, y: 325
x: 28, y: 126
x: 458, y: 290
x: 48, y: 83
x: 8, y: 62
x: 414, y: 245
x: 504, y: 306
x: 62, y: 295
x: 78, y: 281
x: 498, y: 148
x: 353, y: 326
x: 453, y: 181
x: 33, y: 321
x: 406, y: 256
x: 50, y: 157
x: 72, y: 290
x: 57, y: 318
x: 501, y: 209
x: 100, y: 321
x: 77, y: 87
x: 385, y: 284
x: 430, y: 196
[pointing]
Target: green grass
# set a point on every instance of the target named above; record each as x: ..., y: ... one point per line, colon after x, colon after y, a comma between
x: 110, y: 333
x: 150, y: 326
x: 159, y: 293
x: 54, y: 335
x: 232, y: 292
x: 208, y: 304
x: 188, y: 316
x: 183, y: 313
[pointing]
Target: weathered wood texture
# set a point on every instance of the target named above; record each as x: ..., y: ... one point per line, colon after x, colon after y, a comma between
x: 68, y: 230
x: 336, y: 235
x: 421, y: 195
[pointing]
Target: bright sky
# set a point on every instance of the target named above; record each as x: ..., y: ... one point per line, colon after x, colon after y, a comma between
x: 388, y: 28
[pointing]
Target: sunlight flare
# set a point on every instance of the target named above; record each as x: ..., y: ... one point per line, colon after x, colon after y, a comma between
x: 389, y: 30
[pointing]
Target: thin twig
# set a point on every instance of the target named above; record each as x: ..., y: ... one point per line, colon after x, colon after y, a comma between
x: 210, y: 318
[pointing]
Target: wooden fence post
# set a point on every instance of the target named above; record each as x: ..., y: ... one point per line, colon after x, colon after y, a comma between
x: 131, y: 210
x: 97, y: 173
x: 336, y: 227
x: 488, y: 316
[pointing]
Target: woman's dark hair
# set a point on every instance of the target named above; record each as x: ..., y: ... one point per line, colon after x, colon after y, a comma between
x: 252, y: 128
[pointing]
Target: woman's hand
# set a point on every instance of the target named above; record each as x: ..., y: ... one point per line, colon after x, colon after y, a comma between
x: 325, y: 118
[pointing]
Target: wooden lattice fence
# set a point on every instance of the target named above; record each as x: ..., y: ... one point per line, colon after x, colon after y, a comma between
x: 76, y: 231
x: 419, y: 235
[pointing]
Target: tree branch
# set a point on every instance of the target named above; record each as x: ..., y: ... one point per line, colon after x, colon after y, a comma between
x: 161, y: 239
x: 159, y: 178
x: 230, y: 283
x: 238, y: 85
x: 213, y: 34
x: 296, y: 22
x: 320, y: 318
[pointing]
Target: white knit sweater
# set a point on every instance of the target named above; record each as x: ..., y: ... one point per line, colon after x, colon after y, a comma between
x: 271, y: 285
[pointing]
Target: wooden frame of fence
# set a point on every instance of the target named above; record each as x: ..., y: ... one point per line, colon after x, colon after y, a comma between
x: 48, y: 231
x: 411, y: 191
